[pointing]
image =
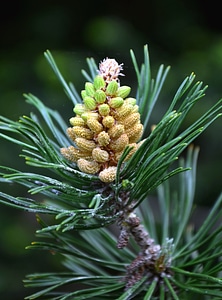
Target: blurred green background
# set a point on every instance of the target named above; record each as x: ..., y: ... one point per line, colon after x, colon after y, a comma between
x: 184, y: 34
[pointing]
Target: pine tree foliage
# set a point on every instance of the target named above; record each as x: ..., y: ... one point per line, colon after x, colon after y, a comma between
x: 148, y: 257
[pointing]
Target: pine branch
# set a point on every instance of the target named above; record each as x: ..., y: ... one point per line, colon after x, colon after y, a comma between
x: 100, y: 172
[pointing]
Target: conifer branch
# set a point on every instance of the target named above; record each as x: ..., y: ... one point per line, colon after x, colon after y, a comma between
x: 100, y: 172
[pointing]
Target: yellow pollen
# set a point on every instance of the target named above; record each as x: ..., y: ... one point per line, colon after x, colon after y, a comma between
x: 89, y: 167
x: 108, y: 175
x: 105, y: 123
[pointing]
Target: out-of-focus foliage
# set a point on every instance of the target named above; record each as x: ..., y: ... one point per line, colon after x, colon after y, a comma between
x: 179, y: 33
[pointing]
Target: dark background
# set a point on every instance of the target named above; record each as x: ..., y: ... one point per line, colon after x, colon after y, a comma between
x: 184, y: 34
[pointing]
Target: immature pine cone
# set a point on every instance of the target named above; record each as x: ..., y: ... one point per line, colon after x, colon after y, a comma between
x: 105, y: 123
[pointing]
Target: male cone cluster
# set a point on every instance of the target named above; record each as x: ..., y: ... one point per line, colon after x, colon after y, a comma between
x: 105, y: 123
